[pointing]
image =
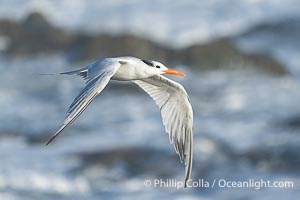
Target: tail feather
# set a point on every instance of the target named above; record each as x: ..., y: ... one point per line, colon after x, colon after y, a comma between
x: 80, y: 72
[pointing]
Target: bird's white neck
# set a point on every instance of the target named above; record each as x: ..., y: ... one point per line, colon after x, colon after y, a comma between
x: 131, y: 69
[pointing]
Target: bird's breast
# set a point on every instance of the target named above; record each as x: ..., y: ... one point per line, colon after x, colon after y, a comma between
x: 128, y: 72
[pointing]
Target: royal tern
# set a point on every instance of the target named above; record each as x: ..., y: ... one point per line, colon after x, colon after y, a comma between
x: 171, y: 97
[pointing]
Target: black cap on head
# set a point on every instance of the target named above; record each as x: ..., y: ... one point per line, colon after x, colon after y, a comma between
x: 148, y: 62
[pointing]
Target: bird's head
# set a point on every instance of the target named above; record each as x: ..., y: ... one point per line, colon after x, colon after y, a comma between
x: 156, y: 68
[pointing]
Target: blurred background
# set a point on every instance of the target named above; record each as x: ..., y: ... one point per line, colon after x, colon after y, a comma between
x: 241, y: 58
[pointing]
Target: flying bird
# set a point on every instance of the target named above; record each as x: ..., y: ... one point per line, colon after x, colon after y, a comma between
x: 171, y: 98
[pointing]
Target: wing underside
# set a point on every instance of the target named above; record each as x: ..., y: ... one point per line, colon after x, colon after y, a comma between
x: 94, y: 86
x: 177, y: 115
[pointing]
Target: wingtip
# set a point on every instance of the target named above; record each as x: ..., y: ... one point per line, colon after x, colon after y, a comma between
x: 55, y: 135
x: 185, y: 183
x: 50, y: 140
x: 186, y: 180
x: 189, y: 164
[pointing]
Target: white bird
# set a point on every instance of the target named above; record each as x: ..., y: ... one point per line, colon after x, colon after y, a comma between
x: 171, y: 98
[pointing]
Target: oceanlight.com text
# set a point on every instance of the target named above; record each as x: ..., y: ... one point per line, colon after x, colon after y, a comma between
x: 219, y: 183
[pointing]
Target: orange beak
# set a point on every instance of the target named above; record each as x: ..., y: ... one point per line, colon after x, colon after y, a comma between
x: 173, y: 71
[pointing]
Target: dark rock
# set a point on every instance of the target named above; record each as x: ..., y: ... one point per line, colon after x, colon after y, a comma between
x: 36, y: 22
x: 222, y: 54
x: 36, y: 35
x: 103, y: 45
x: 282, y: 35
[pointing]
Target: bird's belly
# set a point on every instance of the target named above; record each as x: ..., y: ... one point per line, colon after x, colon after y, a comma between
x: 127, y: 74
x: 121, y: 77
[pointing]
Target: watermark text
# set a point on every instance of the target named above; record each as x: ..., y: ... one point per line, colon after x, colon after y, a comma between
x: 219, y: 183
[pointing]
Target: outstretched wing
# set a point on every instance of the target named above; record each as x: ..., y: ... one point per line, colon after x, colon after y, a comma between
x: 99, y: 74
x: 177, y: 115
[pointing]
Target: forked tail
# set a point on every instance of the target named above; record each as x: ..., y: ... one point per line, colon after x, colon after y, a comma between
x: 79, y: 72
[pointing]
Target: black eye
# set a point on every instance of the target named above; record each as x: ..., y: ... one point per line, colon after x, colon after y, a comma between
x: 157, y: 66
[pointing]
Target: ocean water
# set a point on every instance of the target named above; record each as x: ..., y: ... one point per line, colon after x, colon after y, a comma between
x: 241, y: 128
x: 246, y: 123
